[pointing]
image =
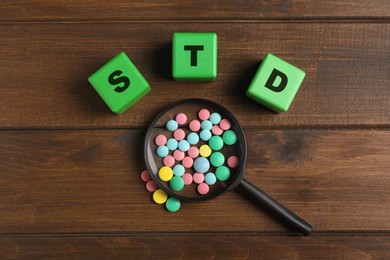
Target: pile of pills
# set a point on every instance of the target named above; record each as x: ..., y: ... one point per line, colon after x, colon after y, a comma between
x: 192, y: 151
x: 159, y: 196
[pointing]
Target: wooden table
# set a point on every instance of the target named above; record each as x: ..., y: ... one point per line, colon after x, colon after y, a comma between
x: 69, y: 168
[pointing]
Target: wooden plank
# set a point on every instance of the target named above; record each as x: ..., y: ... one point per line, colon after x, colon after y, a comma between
x: 44, y: 70
x: 71, y: 10
x: 88, y: 181
x: 187, y: 246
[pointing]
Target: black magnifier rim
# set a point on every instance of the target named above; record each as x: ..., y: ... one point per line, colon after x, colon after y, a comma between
x: 241, y: 138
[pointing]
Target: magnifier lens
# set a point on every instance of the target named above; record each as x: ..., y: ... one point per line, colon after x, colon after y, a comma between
x: 195, y: 150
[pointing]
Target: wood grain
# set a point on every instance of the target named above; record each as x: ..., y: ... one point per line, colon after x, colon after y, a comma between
x: 70, y: 10
x: 44, y: 68
x: 88, y: 181
x: 187, y: 246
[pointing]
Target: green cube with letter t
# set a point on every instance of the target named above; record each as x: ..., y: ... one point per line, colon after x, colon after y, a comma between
x: 194, y: 56
x: 275, y: 84
x: 119, y: 83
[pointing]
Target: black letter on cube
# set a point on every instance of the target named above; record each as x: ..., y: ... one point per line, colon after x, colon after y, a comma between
x: 194, y: 53
x: 283, y: 83
x: 114, y: 81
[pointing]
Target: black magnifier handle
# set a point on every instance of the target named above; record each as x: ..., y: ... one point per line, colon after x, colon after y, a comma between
x: 284, y: 214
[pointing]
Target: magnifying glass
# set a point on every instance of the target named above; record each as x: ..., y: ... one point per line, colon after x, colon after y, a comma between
x: 195, y: 150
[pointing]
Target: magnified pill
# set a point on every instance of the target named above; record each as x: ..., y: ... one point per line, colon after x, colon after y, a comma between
x: 181, y: 118
x: 229, y: 137
x: 162, y: 151
x: 160, y: 140
x: 193, y: 152
x: 187, y: 162
x: 210, y: 178
x: 179, y: 134
x: 224, y: 124
x: 178, y: 170
x: 216, y: 130
x: 216, y: 143
x: 205, y: 150
x: 206, y: 125
x: 159, y: 196
x: 165, y: 173
x: 198, y: 177
x: 222, y: 173
x: 201, y: 165
x: 172, y: 144
x: 217, y: 159
x: 171, y: 125
x: 193, y: 138
x: 178, y: 155
x: 194, y: 125
x: 169, y: 160
x: 176, y: 183
x: 205, y: 135
x: 215, y: 118
x: 172, y: 204
x: 203, y: 188
x: 232, y: 161
x: 187, y: 177
x: 204, y: 114
x: 183, y: 145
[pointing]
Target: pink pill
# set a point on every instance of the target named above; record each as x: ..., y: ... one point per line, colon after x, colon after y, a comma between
x: 160, y: 140
x: 193, y: 152
x: 181, y: 118
x: 233, y: 161
x: 194, y: 125
x: 204, y: 114
x: 179, y: 134
x: 145, y: 176
x: 216, y: 130
x: 178, y: 155
x: 169, y: 160
x: 187, y: 178
x: 151, y: 186
x: 203, y: 188
x: 224, y: 124
x: 187, y: 162
x: 198, y: 177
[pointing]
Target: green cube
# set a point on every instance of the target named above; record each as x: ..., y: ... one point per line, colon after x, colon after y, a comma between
x: 275, y: 84
x: 119, y: 83
x: 194, y: 56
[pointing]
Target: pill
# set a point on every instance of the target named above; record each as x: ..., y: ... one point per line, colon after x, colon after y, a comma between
x: 229, y: 137
x: 178, y: 170
x: 187, y: 162
x: 204, y: 114
x: 159, y: 196
x: 176, y: 183
x: 165, y: 173
x: 205, y: 135
x: 215, y: 118
x: 171, y: 125
x: 178, y: 155
x: 172, y: 204
x: 216, y: 130
x: 201, y: 165
x: 181, y: 118
x: 160, y: 140
x: 187, y: 177
x: 193, y: 152
x: 224, y: 124
x: 203, y: 188
x: 232, y: 161
x: 194, y: 125
x: 206, y: 125
x: 183, y: 145
x: 172, y: 144
x: 192, y: 138
x: 169, y: 160
x: 179, y: 134
x: 198, y: 177
x: 222, y: 173
x: 205, y: 150
x: 216, y: 143
x: 145, y: 176
x: 151, y: 186
x: 217, y: 159
x: 162, y: 151
x: 210, y: 178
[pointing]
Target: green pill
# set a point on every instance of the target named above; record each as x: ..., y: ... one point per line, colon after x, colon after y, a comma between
x: 229, y: 137
x: 172, y: 204
x: 216, y: 143
x: 222, y: 173
x: 176, y: 183
x: 217, y: 159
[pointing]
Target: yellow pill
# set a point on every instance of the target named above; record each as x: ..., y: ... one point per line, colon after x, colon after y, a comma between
x: 159, y: 196
x: 204, y: 150
x: 165, y: 173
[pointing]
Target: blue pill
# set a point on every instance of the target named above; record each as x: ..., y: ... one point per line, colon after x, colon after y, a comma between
x: 201, y: 165
x: 184, y: 145
x: 162, y: 151
x: 215, y: 118
x: 193, y: 138
x: 172, y: 125
x: 178, y: 170
x: 205, y: 135
x: 172, y: 144
x: 206, y: 125
x: 210, y: 178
